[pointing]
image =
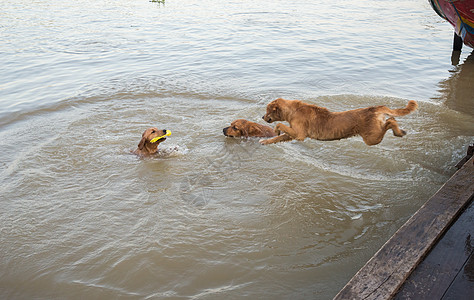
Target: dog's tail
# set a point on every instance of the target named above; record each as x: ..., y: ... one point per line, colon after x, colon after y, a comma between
x: 411, y: 106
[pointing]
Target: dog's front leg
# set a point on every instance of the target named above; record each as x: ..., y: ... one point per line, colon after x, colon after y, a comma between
x: 289, y: 131
x: 277, y: 139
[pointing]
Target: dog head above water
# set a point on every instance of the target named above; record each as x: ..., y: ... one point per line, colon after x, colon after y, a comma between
x: 147, y: 146
x: 244, y: 128
x: 274, y: 111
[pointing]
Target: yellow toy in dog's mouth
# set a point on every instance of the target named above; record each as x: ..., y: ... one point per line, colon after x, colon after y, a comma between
x: 168, y: 133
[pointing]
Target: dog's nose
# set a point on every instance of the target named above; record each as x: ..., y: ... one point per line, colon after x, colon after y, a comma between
x: 225, y: 130
x: 263, y: 117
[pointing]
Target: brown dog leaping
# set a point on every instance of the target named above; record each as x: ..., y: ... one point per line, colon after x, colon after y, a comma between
x: 245, y: 128
x: 151, y: 138
x: 307, y: 120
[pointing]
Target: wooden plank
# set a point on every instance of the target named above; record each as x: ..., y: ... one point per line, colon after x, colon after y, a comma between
x: 443, y: 271
x: 385, y: 272
x: 462, y: 287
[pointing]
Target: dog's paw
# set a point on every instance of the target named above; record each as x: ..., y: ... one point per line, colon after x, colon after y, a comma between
x: 403, y: 133
x: 400, y: 133
x: 277, y: 129
x: 264, y: 141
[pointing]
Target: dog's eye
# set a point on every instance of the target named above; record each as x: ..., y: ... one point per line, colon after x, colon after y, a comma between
x: 233, y: 127
x: 153, y: 131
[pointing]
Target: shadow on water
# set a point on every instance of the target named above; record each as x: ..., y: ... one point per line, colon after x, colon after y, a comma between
x: 457, y: 91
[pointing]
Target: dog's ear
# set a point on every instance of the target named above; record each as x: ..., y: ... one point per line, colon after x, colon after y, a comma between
x: 142, y: 143
x: 244, y: 132
x: 255, y: 130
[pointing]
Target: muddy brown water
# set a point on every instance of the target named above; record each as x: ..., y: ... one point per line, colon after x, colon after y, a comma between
x: 213, y: 217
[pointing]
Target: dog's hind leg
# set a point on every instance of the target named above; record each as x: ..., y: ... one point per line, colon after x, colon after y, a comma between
x: 372, y: 139
x: 376, y: 136
x: 391, y: 123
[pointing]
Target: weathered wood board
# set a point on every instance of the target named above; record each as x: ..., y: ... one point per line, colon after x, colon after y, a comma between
x: 448, y: 270
x: 385, y: 272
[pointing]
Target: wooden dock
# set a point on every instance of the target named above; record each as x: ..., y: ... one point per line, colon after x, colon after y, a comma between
x: 431, y: 255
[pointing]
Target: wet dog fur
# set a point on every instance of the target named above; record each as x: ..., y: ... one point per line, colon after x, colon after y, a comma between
x: 145, y: 147
x: 307, y: 120
x: 244, y: 128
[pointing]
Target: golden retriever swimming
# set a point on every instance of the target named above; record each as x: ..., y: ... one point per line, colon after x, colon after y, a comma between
x: 146, y: 147
x: 246, y: 128
x: 307, y: 120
